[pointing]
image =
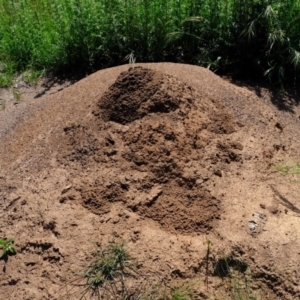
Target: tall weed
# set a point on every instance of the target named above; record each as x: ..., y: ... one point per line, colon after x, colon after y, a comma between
x: 257, y: 38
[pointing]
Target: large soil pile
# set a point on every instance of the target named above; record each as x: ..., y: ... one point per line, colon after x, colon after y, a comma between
x: 162, y: 157
x: 157, y: 141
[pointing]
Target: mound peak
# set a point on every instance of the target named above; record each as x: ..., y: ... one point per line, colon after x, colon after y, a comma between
x: 136, y: 93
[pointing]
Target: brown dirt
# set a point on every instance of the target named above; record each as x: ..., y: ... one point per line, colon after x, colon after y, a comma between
x: 162, y: 157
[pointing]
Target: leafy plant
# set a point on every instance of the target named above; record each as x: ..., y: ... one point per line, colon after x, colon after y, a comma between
x: 7, y: 248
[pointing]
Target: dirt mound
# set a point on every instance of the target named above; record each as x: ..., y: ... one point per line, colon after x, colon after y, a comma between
x: 172, y: 128
x: 168, y: 159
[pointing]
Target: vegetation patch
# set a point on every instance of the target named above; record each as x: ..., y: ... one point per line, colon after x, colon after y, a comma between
x: 7, y: 248
x: 260, y: 38
x: 114, y: 274
x: 288, y: 169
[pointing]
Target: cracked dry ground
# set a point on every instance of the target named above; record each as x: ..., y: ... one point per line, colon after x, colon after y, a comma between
x: 161, y: 157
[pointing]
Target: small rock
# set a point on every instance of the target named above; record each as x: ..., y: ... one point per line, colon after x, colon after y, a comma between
x: 218, y: 173
x: 66, y: 189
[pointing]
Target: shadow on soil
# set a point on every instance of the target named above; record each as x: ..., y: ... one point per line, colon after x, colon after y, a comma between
x: 284, y: 99
x: 63, y: 80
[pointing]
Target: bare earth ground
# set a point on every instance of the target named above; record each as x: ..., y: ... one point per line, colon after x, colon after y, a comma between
x: 161, y: 157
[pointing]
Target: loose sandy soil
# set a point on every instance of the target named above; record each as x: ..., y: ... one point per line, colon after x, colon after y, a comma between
x: 162, y: 158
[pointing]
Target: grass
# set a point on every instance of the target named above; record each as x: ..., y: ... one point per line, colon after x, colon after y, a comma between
x: 183, y: 293
x: 288, y: 169
x: 32, y: 77
x: 260, y: 38
x: 106, y: 275
x: 114, y: 274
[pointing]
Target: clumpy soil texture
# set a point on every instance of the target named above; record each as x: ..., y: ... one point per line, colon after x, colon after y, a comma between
x: 135, y: 94
x: 158, y: 141
x: 166, y: 159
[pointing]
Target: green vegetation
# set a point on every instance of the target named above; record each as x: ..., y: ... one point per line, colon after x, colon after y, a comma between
x: 183, y: 293
x: 115, y: 275
x: 111, y: 266
x: 2, y: 105
x: 288, y: 169
x: 255, y: 37
x: 7, y: 248
x: 17, y: 94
